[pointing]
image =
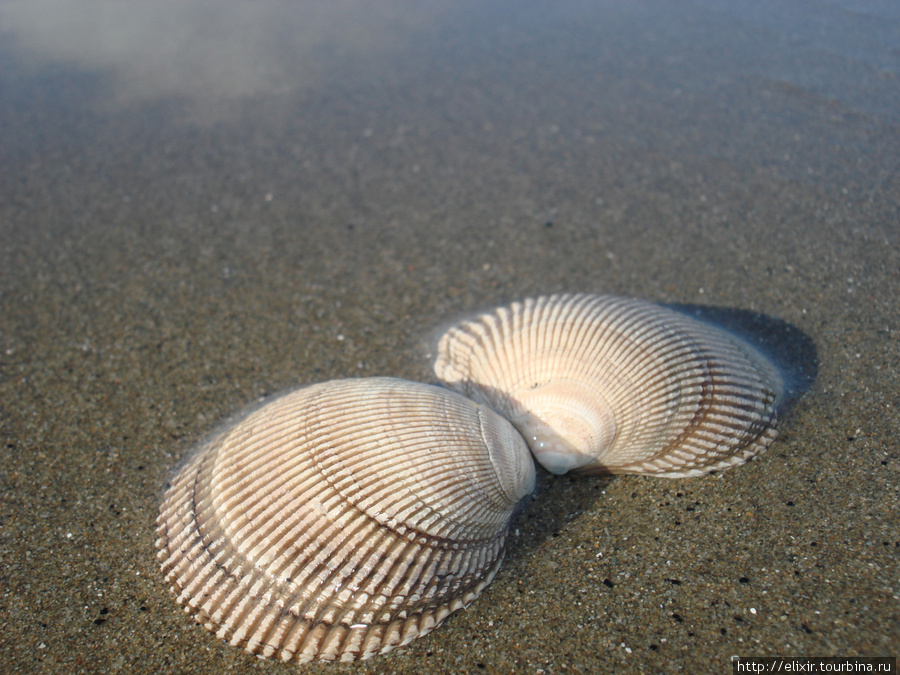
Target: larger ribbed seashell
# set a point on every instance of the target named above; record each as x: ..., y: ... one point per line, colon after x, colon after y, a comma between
x: 616, y: 385
x: 343, y: 519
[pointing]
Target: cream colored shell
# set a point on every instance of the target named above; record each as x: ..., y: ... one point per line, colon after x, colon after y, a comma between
x: 614, y: 385
x: 343, y: 519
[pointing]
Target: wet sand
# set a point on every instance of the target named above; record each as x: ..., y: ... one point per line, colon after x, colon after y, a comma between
x: 171, y: 257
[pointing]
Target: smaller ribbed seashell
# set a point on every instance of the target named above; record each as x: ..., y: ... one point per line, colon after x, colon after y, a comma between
x: 343, y: 519
x: 615, y: 385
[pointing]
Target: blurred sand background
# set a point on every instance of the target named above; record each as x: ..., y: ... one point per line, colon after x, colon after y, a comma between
x: 205, y: 205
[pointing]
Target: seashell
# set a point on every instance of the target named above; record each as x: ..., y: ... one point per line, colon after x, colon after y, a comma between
x: 343, y: 519
x: 616, y: 385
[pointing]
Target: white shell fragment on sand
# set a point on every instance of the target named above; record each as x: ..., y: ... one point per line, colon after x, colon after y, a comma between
x: 604, y: 384
x: 343, y: 519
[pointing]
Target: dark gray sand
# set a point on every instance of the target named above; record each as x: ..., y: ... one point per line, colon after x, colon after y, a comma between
x: 203, y: 207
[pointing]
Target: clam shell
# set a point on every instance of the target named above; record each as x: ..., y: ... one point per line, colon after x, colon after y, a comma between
x: 615, y: 385
x: 343, y: 519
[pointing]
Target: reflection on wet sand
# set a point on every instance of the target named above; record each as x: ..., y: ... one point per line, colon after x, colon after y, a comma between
x: 212, y: 51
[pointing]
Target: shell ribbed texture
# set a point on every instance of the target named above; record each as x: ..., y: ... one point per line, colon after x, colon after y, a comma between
x: 683, y: 397
x: 343, y: 519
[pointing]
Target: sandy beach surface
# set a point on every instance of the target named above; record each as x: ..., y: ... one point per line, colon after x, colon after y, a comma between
x: 204, y: 206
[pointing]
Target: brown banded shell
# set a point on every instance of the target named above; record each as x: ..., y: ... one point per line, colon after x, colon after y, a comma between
x: 343, y: 519
x: 616, y: 385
